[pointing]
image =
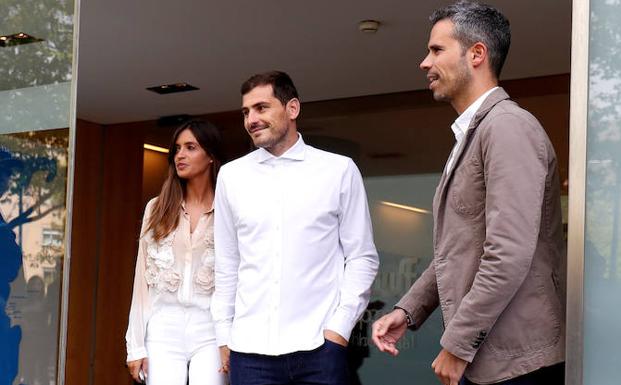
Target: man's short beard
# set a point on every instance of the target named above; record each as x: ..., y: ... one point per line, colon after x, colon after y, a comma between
x: 461, y: 82
x: 271, y: 141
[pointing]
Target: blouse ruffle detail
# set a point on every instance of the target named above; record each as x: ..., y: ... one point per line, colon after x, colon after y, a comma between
x: 160, y: 274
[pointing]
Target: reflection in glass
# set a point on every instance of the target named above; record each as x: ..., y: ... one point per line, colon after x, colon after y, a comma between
x: 603, y: 229
x: 403, y: 238
x: 35, y: 89
x: 35, y: 108
x: 33, y: 176
x: 39, y: 63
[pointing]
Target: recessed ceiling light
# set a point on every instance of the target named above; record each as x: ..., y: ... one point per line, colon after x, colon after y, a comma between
x: 18, y: 39
x: 173, y: 120
x: 172, y: 88
x: 368, y: 26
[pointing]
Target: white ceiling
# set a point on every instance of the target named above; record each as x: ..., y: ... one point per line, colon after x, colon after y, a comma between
x: 126, y: 46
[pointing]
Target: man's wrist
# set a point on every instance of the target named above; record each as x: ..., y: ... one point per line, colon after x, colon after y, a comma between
x: 408, y: 318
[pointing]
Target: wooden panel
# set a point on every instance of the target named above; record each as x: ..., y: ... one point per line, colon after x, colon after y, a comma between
x: 121, y: 214
x: 84, y: 259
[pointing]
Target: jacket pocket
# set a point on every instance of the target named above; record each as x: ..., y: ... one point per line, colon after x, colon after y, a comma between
x: 531, y: 322
x: 467, y: 189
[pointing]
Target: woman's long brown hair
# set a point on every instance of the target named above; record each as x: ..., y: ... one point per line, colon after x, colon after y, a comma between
x: 164, y: 216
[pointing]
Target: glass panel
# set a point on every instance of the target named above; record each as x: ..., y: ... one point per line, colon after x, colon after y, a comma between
x: 402, y: 228
x: 35, y: 93
x: 40, y: 63
x: 602, y: 276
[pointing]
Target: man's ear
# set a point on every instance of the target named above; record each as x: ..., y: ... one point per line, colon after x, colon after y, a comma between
x: 293, y: 108
x: 478, y: 54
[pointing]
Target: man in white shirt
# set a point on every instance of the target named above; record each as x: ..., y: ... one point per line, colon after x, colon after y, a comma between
x: 295, y: 257
x: 498, y: 234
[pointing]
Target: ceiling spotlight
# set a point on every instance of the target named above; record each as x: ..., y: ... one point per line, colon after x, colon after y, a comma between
x: 172, y: 88
x: 368, y: 26
x: 18, y: 39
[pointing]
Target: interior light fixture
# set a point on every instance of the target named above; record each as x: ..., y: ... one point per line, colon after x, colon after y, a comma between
x: 155, y: 148
x: 172, y: 88
x: 17, y: 39
x: 405, y: 207
x: 369, y: 26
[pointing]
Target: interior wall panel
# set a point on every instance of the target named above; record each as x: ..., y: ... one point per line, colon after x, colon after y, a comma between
x: 121, y: 211
x: 85, y: 252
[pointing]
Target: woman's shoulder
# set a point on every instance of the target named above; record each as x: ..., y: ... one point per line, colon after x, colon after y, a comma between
x: 148, y: 208
x: 150, y: 203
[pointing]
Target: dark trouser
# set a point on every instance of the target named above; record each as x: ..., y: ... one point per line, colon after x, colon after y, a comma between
x: 550, y: 375
x: 326, y: 365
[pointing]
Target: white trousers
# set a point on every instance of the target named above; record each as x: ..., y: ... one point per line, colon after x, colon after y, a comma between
x: 181, y: 343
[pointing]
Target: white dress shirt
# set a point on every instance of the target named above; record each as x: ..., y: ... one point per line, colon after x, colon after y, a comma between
x: 294, y: 250
x: 176, y: 271
x: 462, y: 124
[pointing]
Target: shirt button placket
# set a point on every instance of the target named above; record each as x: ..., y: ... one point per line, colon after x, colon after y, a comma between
x: 187, y: 277
x: 277, y: 262
x: 187, y: 264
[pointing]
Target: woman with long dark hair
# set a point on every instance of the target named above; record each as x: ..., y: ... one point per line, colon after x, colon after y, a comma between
x: 171, y: 337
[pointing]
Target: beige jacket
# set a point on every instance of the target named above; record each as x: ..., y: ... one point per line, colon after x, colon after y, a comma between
x: 498, y: 248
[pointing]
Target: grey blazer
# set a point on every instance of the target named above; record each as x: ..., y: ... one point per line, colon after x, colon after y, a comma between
x: 498, y: 248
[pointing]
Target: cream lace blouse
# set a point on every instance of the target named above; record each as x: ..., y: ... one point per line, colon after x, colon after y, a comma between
x: 177, y: 270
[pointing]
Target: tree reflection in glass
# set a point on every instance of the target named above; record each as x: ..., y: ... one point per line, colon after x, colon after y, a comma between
x: 603, y: 200
x: 33, y: 182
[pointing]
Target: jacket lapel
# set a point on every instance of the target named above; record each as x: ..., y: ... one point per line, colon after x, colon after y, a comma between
x: 494, y: 98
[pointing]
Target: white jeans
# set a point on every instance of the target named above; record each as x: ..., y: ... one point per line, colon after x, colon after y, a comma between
x: 181, y: 342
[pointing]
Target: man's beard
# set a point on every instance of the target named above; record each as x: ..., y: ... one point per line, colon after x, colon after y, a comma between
x: 459, y: 83
x: 271, y: 140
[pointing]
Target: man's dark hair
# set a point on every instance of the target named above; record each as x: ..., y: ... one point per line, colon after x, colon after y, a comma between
x: 475, y: 22
x: 281, y: 83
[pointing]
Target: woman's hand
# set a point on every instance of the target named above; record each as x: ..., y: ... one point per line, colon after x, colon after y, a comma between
x: 135, y: 367
x: 225, y: 357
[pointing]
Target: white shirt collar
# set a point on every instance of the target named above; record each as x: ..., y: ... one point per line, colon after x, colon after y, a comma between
x: 461, y: 124
x: 295, y: 152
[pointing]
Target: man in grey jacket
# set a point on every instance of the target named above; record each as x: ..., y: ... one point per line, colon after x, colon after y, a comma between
x: 498, y: 242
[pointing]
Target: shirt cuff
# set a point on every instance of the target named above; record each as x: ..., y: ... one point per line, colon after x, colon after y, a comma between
x: 223, y: 333
x: 136, y: 354
x: 341, y: 323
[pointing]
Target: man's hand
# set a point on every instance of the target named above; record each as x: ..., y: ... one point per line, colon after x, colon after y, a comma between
x: 388, y: 330
x: 334, y: 337
x: 136, y: 366
x: 225, y: 359
x: 448, y: 367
